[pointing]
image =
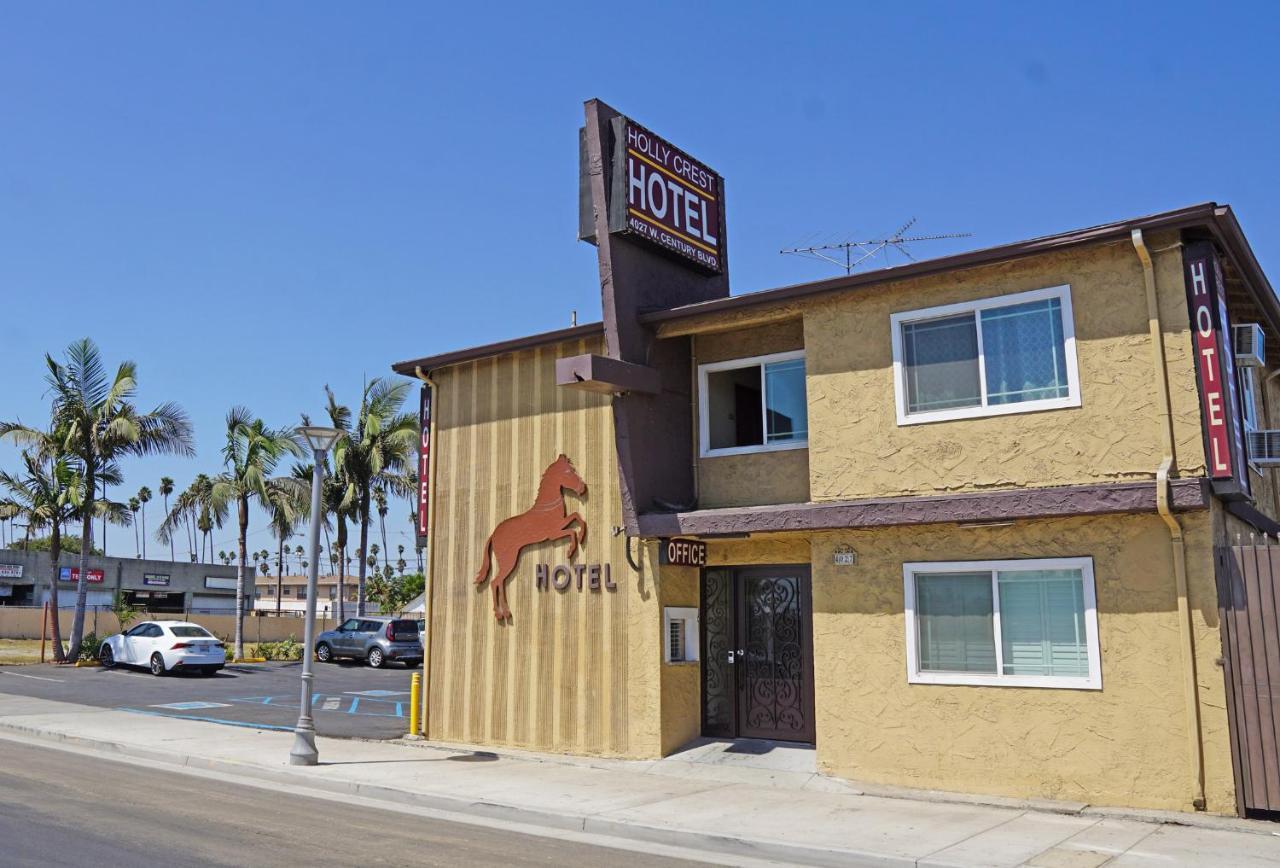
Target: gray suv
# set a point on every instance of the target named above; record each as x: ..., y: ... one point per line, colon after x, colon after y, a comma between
x: 374, y: 640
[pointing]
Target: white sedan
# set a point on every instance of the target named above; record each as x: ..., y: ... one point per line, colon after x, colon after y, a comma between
x: 165, y: 646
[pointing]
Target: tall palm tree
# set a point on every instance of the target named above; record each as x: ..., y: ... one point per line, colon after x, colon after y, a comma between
x: 100, y: 424
x: 374, y: 453
x: 166, y: 489
x: 134, y: 506
x: 144, y: 495
x: 286, y: 507
x: 45, y: 494
x: 380, y: 503
x: 250, y: 454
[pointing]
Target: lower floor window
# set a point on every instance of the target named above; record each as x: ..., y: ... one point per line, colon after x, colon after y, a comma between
x: 1029, y: 623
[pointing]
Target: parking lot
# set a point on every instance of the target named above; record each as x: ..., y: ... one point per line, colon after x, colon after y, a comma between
x: 349, y: 700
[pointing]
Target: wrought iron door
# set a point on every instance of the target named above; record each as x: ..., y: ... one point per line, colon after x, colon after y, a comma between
x: 757, y: 654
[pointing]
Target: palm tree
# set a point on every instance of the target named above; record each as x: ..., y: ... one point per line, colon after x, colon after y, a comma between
x: 96, y: 416
x: 144, y: 495
x: 251, y: 453
x: 286, y: 508
x: 45, y: 495
x: 134, y: 506
x: 380, y: 503
x: 166, y: 489
x: 374, y: 453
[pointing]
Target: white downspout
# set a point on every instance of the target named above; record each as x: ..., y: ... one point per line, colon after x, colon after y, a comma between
x: 1190, y: 682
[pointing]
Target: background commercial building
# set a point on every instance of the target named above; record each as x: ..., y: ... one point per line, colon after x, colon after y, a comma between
x: 158, y: 586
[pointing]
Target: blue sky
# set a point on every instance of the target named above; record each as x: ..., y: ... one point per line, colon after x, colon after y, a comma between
x: 252, y: 200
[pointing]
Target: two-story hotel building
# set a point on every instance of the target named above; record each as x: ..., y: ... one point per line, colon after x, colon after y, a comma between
x: 962, y: 521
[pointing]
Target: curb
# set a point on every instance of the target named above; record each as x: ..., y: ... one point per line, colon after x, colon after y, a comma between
x: 87, y: 664
x: 248, y: 660
x: 707, y: 842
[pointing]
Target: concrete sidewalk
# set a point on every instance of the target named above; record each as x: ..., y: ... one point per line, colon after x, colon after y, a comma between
x: 788, y: 817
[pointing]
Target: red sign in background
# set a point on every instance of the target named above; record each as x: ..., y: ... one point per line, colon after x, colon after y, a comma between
x: 72, y: 574
x: 672, y: 199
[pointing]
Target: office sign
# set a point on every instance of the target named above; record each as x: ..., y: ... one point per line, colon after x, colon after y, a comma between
x: 672, y: 200
x: 10, y: 571
x: 72, y: 574
x: 156, y: 579
x: 1215, y: 367
x: 683, y: 553
x: 424, y: 464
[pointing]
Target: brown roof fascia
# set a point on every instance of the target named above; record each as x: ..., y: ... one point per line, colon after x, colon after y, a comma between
x: 977, y: 507
x: 1202, y: 214
x: 427, y: 363
x: 1226, y: 229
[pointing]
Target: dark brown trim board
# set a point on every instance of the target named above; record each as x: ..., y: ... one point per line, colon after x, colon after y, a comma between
x: 427, y: 363
x: 1187, y: 494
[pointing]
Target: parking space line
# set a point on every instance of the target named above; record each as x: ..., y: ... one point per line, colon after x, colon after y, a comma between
x: 33, y: 677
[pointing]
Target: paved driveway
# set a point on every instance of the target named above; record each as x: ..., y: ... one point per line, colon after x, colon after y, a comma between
x: 348, y: 700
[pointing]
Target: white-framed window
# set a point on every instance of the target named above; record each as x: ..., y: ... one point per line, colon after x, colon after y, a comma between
x: 753, y: 405
x: 1014, y: 623
x: 679, y: 634
x: 1009, y: 354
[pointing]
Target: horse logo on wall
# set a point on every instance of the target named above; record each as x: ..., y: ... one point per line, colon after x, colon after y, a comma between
x: 545, y: 521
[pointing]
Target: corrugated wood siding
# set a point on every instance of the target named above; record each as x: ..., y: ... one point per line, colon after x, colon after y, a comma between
x: 561, y: 675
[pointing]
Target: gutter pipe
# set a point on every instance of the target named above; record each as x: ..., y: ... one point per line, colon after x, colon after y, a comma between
x: 1177, y: 545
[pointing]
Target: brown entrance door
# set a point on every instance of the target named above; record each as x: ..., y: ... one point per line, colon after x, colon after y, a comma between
x: 757, y: 653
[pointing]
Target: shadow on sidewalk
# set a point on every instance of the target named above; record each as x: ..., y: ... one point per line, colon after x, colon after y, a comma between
x: 480, y: 756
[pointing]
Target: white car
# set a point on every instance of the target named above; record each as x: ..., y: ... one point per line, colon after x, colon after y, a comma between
x: 165, y: 646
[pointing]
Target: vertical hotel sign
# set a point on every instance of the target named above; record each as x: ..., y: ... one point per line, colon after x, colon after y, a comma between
x: 424, y: 463
x: 672, y: 200
x: 1215, y: 366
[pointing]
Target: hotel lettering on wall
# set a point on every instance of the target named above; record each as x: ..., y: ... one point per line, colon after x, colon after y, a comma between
x: 1215, y: 370
x: 424, y: 464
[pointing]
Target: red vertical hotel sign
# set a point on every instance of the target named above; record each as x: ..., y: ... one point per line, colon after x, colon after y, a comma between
x: 424, y: 463
x: 1217, y: 392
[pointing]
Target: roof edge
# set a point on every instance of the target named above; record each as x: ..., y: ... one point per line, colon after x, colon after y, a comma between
x: 512, y: 345
x: 1202, y: 213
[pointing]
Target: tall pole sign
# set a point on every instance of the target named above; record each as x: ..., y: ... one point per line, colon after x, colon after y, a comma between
x: 424, y: 464
x: 1215, y: 369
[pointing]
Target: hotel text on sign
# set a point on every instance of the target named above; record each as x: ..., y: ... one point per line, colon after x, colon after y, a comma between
x: 424, y: 464
x: 1214, y: 364
x: 672, y: 200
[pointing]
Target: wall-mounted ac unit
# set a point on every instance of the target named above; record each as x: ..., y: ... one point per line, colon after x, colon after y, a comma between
x: 1264, y: 448
x: 1247, y: 341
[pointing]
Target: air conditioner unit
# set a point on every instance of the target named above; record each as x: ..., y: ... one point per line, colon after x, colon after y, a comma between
x: 1249, y: 345
x: 1264, y: 448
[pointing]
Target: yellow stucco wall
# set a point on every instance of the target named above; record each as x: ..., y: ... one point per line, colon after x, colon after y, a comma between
x: 856, y: 447
x: 765, y: 477
x: 1126, y: 744
x: 681, y: 682
x: 574, y: 671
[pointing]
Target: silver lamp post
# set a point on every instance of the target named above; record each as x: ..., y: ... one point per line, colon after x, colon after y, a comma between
x: 304, y: 751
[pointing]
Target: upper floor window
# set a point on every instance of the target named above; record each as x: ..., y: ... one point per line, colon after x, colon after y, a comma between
x: 753, y: 405
x: 1010, y: 354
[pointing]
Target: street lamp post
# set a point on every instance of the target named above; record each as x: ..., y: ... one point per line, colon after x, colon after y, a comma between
x: 304, y: 751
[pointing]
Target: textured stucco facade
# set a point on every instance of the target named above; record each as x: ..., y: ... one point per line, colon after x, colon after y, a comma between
x: 584, y: 673
x: 572, y: 670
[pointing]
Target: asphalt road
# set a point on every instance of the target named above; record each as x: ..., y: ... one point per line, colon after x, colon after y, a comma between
x: 66, y: 809
x: 349, y: 699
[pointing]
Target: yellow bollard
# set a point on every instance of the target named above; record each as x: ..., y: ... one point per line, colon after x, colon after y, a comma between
x: 415, y: 704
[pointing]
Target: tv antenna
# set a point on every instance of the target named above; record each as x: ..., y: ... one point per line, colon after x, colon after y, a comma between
x: 850, y: 254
